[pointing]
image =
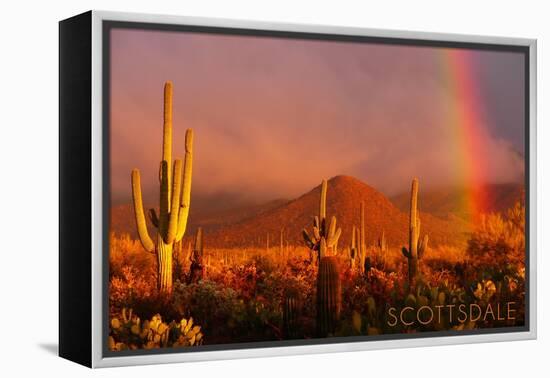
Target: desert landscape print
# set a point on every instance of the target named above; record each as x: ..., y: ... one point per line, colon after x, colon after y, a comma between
x: 270, y: 189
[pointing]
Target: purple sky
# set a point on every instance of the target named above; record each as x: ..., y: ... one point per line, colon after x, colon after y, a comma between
x: 274, y: 116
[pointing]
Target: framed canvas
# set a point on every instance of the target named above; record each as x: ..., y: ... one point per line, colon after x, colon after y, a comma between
x: 234, y: 189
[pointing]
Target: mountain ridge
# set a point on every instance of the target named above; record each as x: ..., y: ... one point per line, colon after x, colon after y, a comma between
x: 239, y: 228
x: 447, y: 202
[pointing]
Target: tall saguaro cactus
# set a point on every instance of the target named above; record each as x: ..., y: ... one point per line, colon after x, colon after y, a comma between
x: 282, y: 241
x: 196, y: 270
x: 291, y: 309
x: 353, y: 250
x: 363, y: 261
x: 175, y: 196
x: 322, y: 231
x: 382, y: 242
x: 416, y: 246
x: 362, y: 241
x: 329, y: 296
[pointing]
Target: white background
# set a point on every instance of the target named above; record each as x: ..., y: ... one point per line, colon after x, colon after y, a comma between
x: 29, y: 174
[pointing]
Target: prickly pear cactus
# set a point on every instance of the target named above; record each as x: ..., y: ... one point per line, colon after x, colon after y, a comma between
x: 128, y: 332
x: 186, y: 333
x: 329, y: 296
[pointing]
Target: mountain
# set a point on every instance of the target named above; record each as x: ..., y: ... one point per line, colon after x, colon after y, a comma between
x: 215, y: 219
x: 209, y: 217
x: 447, y: 202
x: 344, y: 197
x: 249, y: 226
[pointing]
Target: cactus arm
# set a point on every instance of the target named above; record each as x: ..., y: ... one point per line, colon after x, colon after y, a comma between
x: 333, y: 239
x: 188, y: 168
x: 167, y: 133
x: 182, y: 222
x: 164, y: 199
x: 323, y: 201
x: 333, y: 234
x: 153, y: 217
x: 332, y: 227
x: 316, y: 228
x: 186, y: 185
x: 144, y: 237
x: 176, y: 196
x: 309, y: 242
x: 316, y: 222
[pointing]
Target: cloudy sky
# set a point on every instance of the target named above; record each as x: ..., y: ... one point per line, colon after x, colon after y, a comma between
x: 274, y: 116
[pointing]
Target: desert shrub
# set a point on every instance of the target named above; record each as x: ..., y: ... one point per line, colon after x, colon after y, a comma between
x: 132, y: 277
x: 498, y: 243
x: 128, y: 287
x: 219, y: 308
x: 240, y: 298
x: 124, y: 252
x: 367, y: 296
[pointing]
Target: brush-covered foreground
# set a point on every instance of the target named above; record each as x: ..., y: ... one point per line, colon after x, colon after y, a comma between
x: 248, y: 295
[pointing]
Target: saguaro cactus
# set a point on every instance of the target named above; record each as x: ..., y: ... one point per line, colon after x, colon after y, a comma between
x: 416, y: 246
x: 382, y: 242
x: 329, y: 296
x: 363, y: 260
x: 362, y: 240
x: 175, y: 196
x: 321, y: 229
x: 383, y: 247
x: 196, y: 270
x: 282, y: 242
x: 291, y: 310
x: 353, y: 250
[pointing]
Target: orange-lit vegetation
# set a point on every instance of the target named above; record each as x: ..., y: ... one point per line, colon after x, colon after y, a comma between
x: 260, y: 294
x: 194, y: 294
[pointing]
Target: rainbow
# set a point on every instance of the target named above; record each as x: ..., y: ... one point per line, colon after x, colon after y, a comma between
x: 466, y: 122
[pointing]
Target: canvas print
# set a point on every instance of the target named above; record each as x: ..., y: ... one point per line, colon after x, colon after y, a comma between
x: 271, y: 190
